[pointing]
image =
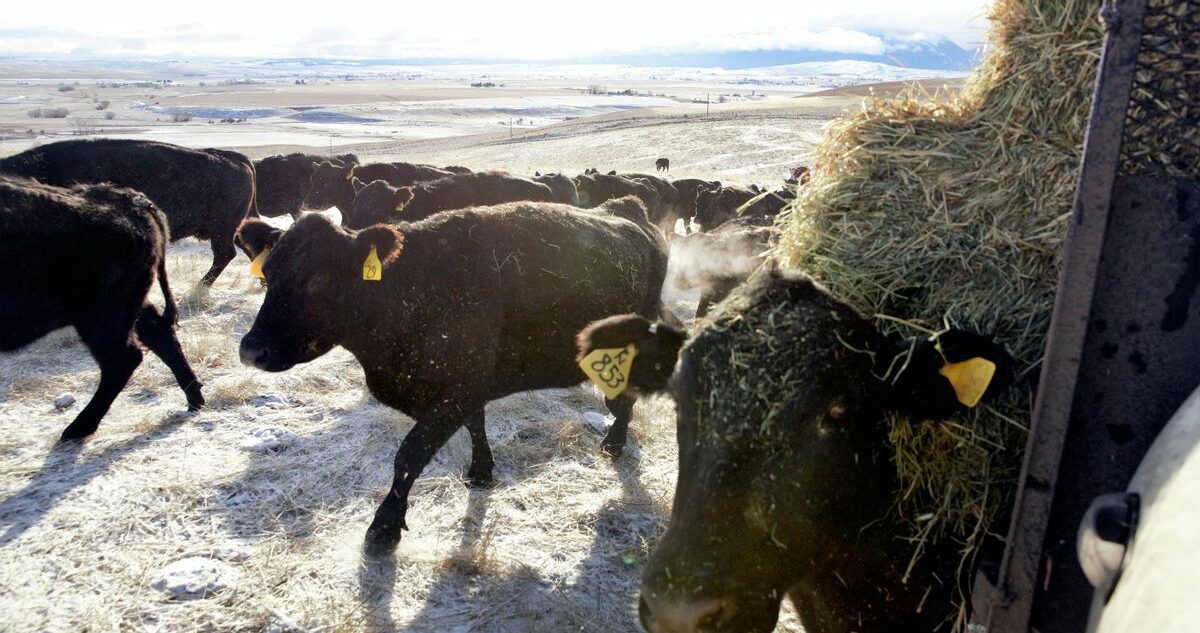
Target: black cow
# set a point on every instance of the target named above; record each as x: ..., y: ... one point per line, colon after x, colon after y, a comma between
x: 669, y: 208
x: 204, y: 193
x: 687, y: 188
x: 457, y: 169
x: 86, y: 257
x: 720, y: 260
x: 562, y: 186
x: 379, y: 202
x: 472, y: 305
x: 786, y: 486
x: 715, y: 206
x: 283, y: 181
x: 596, y: 189
x: 331, y: 185
x: 662, y: 164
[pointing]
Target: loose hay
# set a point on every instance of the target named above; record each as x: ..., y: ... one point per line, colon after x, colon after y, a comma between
x: 937, y: 210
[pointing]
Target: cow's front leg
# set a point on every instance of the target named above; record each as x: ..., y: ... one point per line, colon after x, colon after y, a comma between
x: 416, y: 450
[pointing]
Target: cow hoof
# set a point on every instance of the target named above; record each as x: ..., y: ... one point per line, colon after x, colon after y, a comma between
x: 196, y: 403
x: 72, y: 434
x: 478, y: 481
x: 381, y: 541
x: 612, y: 449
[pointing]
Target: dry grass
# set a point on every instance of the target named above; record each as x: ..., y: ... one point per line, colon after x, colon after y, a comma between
x: 558, y: 544
x: 952, y: 211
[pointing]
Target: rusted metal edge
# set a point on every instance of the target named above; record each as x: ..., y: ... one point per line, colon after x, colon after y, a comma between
x: 1006, y: 607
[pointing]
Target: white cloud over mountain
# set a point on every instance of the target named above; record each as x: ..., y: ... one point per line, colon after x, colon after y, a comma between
x: 518, y: 29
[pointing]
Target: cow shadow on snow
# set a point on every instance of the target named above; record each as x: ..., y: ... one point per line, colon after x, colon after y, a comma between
x: 346, y: 467
x: 65, y: 468
x: 599, y: 592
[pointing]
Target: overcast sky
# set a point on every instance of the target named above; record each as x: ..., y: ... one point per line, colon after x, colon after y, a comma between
x: 516, y: 29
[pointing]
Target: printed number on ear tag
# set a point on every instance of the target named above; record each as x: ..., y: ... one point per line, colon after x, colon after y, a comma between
x: 609, y: 368
x: 257, y: 264
x: 372, y: 268
x: 970, y: 378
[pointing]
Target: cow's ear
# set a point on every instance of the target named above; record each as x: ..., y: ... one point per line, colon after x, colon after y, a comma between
x: 404, y: 195
x: 655, y: 345
x: 347, y: 159
x: 255, y: 236
x: 387, y: 242
x: 934, y: 377
x: 357, y: 184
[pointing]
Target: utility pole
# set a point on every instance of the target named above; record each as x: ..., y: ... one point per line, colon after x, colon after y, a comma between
x: 510, y: 128
x: 707, y: 102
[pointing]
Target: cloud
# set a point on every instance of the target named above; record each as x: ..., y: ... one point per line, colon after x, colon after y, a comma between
x: 518, y: 29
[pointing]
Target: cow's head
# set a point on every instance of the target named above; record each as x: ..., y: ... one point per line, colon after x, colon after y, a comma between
x: 329, y: 183
x: 377, y: 203
x: 312, y: 268
x: 717, y: 205
x: 256, y: 236
x: 783, y: 452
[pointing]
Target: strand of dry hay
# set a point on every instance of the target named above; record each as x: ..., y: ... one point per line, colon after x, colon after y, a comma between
x: 952, y: 209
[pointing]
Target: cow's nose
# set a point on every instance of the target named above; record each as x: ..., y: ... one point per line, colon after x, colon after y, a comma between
x: 253, y: 353
x: 681, y: 616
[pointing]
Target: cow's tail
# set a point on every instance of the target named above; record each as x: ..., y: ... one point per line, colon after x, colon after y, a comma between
x: 170, y: 310
x: 253, y: 211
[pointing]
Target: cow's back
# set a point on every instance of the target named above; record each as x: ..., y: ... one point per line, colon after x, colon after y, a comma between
x: 65, y: 256
x: 506, y: 288
x: 192, y: 187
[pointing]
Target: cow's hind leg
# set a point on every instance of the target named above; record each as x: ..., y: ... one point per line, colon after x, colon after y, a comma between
x: 223, y: 253
x: 622, y: 409
x: 117, y: 356
x: 479, y: 474
x: 156, y: 332
x: 416, y: 450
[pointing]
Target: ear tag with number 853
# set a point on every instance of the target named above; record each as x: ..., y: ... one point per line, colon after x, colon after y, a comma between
x: 609, y: 368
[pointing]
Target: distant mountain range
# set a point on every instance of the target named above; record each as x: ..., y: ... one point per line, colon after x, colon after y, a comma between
x: 933, y: 54
x: 900, y: 51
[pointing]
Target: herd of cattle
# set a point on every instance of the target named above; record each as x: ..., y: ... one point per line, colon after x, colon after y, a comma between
x: 453, y: 288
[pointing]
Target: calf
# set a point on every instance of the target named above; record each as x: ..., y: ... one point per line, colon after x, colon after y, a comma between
x: 86, y: 257
x: 379, y: 202
x: 662, y: 164
x: 283, y: 181
x: 204, y: 193
x: 785, y: 480
x: 331, y: 185
x: 451, y: 312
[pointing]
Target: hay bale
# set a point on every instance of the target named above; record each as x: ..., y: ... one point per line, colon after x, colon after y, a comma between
x: 932, y: 210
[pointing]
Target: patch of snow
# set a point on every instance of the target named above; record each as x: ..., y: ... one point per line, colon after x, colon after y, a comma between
x: 268, y: 439
x: 64, y: 400
x: 195, y: 577
x: 598, y: 421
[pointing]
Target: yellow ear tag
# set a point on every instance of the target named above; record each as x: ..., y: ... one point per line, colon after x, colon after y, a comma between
x: 399, y: 207
x: 372, y: 268
x: 609, y: 368
x: 257, y: 264
x: 969, y: 378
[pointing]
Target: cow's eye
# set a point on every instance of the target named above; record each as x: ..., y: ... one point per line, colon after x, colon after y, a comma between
x: 837, y: 410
